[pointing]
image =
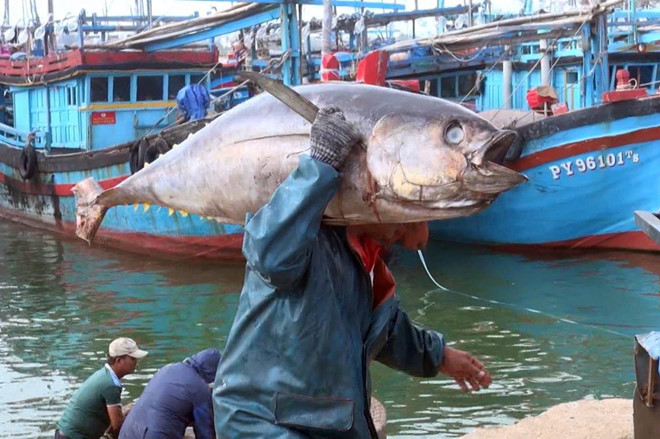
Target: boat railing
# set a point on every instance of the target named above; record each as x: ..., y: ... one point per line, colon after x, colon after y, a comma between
x: 40, y: 65
x: 11, y: 136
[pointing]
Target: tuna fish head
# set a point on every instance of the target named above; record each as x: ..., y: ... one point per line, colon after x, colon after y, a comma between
x: 440, y: 162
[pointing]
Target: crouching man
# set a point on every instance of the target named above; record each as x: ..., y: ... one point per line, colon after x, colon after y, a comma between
x: 177, y: 396
x: 96, y: 405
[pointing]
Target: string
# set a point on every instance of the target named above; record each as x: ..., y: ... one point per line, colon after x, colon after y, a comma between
x: 514, y: 306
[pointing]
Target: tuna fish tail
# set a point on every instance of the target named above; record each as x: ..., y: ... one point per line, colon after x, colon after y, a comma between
x: 89, y: 211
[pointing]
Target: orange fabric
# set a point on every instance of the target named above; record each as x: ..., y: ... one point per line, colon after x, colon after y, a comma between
x: 383, y: 283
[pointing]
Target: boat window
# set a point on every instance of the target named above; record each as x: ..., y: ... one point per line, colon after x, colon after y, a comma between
x: 99, y: 88
x: 448, y: 87
x: 71, y: 96
x: 149, y: 88
x: 434, y: 87
x: 467, y: 85
x: 571, y: 77
x: 195, y: 79
x: 176, y: 83
x: 121, y: 89
x: 643, y: 74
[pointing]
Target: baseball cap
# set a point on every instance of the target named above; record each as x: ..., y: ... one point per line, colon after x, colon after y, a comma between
x: 125, y: 346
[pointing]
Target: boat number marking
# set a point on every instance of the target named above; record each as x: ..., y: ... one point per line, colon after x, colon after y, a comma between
x: 592, y: 163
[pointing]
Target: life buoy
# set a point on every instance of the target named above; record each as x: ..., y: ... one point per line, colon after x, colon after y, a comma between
x: 155, y: 149
x: 28, y: 164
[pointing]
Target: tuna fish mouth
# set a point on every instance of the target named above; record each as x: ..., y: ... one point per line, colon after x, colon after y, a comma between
x: 495, y: 149
x: 485, y: 174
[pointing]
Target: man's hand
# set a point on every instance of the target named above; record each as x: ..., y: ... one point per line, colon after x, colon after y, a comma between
x: 116, y: 418
x: 332, y: 137
x: 464, y: 369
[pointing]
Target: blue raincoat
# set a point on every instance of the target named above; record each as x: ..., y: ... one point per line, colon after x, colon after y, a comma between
x: 296, y: 363
x: 177, y: 395
x: 193, y: 100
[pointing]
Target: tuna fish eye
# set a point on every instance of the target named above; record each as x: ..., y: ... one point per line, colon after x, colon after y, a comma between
x: 454, y: 133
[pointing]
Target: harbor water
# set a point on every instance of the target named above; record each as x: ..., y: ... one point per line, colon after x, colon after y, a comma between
x: 551, y: 327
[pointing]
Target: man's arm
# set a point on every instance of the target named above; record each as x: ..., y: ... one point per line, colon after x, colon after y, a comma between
x: 411, y: 349
x: 112, y: 397
x: 279, y: 236
x: 422, y: 352
x: 116, y: 418
x: 203, y: 414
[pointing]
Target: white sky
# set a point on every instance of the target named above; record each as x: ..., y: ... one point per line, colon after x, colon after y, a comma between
x: 179, y: 7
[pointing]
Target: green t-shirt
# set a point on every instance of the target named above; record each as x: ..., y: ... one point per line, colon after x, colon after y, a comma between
x: 86, y: 415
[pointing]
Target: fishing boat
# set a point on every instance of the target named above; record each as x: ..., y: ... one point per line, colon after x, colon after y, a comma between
x: 584, y: 102
x: 105, y: 112
x: 71, y: 109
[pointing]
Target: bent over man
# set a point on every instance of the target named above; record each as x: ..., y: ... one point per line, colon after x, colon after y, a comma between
x: 177, y: 395
x: 96, y: 405
x: 317, y: 307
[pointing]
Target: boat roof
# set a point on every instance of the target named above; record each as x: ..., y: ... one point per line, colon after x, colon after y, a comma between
x: 72, y: 63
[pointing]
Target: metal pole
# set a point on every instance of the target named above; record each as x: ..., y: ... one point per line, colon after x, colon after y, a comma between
x: 149, y: 12
x: 545, y: 63
x: 50, y: 6
x: 290, y: 41
x: 326, y: 28
x: 470, y: 13
x: 6, y: 11
x: 507, y: 74
x: 326, y: 34
x: 49, y: 133
x: 413, y: 22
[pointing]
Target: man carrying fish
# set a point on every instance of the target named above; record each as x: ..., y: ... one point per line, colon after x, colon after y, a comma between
x: 317, y: 307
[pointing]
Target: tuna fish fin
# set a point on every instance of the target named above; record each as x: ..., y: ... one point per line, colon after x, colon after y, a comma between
x: 89, y: 212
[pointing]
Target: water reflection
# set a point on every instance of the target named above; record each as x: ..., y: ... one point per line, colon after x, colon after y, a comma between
x: 536, y: 360
x: 62, y: 302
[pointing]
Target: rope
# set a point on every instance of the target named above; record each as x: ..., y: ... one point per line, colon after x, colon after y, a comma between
x: 476, y: 84
x: 273, y: 63
x: 514, y: 306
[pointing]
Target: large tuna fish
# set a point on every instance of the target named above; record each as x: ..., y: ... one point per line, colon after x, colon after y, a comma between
x: 422, y: 159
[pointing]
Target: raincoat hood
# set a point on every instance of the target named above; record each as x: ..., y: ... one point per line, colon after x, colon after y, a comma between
x: 205, y: 363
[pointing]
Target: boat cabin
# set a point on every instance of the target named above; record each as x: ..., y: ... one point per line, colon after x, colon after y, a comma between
x: 100, y: 99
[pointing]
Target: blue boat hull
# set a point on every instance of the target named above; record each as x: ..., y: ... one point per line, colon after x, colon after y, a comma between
x: 46, y: 201
x: 588, y: 172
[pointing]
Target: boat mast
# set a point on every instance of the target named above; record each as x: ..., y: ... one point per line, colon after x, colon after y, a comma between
x: 326, y: 29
